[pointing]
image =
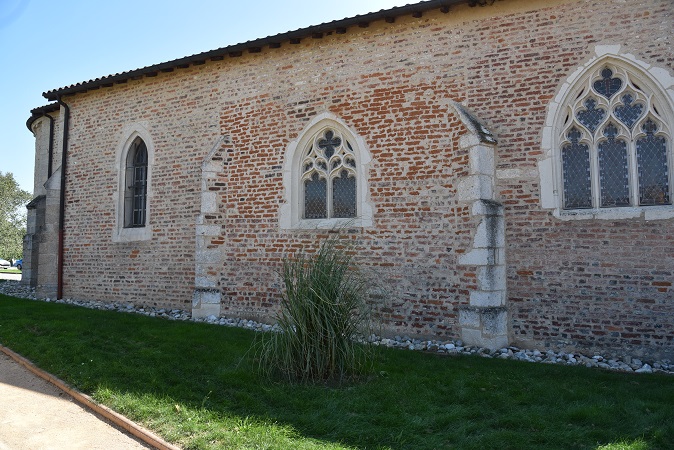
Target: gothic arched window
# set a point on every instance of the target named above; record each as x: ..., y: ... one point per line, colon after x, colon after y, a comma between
x: 325, y: 176
x: 135, y: 192
x: 329, y: 177
x: 615, y: 146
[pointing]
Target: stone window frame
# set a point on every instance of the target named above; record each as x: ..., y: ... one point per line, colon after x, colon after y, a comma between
x: 654, y: 80
x: 291, y: 211
x: 122, y: 232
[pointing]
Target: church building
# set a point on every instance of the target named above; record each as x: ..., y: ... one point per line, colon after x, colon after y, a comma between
x: 500, y: 170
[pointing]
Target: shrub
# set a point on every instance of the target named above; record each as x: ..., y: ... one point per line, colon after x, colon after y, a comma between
x: 323, y: 314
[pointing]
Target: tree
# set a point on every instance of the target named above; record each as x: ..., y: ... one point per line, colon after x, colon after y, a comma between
x: 13, y: 202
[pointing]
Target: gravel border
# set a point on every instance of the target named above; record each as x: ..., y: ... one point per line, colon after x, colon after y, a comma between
x: 452, y: 347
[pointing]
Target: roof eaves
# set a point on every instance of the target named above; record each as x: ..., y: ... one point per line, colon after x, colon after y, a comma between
x: 340, y: 26
x: 41, y: 111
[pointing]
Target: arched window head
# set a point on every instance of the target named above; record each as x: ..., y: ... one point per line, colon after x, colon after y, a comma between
x: 329, y: 177
x: 135, y: 193
x: 325, y: 178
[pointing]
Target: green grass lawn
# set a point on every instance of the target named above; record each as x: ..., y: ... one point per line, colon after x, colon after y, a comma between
x: 12, y: 270
x: 194, y: 384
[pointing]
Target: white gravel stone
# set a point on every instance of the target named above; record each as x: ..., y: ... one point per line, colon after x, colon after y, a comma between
x: 645, y: 369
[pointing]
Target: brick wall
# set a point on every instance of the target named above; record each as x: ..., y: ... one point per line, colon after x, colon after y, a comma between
x: 585, y: 284
x: 599, y: 285
x: 159, y: 271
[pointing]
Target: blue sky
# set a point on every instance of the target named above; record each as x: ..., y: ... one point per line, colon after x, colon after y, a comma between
x: 48, y: 44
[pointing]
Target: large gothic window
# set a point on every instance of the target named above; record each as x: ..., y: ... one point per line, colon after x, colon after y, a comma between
x: 615, y: 146
x: 329, y: 177
x: 135, y: 193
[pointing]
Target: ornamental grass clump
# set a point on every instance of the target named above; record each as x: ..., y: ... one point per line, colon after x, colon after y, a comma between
x: 323, y: 314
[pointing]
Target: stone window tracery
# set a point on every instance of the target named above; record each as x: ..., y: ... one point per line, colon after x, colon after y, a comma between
x: 614, y: 145
x: 325, y: 178
x: 329, y: 177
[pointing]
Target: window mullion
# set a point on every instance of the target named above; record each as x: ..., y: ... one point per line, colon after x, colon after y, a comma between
x: 328, y: 193
x: 594, y: 175
x: 634, y: 173
x: 302, y: 197
x: 670, y: 166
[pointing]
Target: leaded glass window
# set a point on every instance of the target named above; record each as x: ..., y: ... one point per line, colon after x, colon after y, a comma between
x: 653, y: 167
x: 591, y: 116
x: 628, y: 113
x: 135, y: 194
x: 344, y: 195
x: 608, y: 85
x: 615, y: 147
x: 576, y: 167
x: 613, y: 174
x: 315, y: 197
x: 329, y: 177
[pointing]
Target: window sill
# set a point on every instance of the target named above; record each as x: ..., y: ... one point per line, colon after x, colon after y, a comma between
x: 132, y: 234
x: 646, y: 212
x: 329, y: 224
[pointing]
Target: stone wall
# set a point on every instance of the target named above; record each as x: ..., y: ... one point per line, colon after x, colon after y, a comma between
x: 40, y: 248
x: 584, y: 284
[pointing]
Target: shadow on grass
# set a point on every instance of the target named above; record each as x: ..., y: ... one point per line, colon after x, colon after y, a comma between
x: 195, y: 384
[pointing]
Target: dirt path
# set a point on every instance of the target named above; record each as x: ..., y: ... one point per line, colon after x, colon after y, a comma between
x: 35, y: 415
